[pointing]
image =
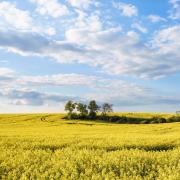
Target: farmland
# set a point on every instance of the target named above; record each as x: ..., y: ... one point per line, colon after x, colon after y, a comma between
x: 45, y: 146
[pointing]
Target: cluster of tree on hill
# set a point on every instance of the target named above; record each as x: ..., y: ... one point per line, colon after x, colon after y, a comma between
x: 77, y: 110
x: 92, y: 111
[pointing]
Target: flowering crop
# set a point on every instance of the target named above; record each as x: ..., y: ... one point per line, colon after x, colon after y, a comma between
x: 44, y: 146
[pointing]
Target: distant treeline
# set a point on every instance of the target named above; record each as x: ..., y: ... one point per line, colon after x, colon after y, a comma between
x: 92, y: 111
x: 77, y: 110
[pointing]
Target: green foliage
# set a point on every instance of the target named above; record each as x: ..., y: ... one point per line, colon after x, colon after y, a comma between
x: 174, y: 119
x: 70, y: 107
x: 106, y: 108
x: 82, y: 108
x: 44, y: 146
x: 108, y: 116
x: 93, y: 109
x: 158, y: 119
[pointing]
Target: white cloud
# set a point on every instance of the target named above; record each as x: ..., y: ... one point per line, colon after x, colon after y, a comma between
x: 6, y: 72
x: 33, y: 97
x: 86, y: 21
x: 10, y: 15
x: 59, y: 80
x: 50, y: 31
x: 139, y: 27
x: 51, y: 7
x: 13, y: 18
x: 112, y: 50
x: 168, y: 41
x: 81, y: 4
x: 175, y: 12
x: 6, y: 77
x: 155, y: 18
x: 128, y: 10
x: 120, y: 93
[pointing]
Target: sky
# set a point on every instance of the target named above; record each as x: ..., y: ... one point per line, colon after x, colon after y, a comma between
x: 126, y: 53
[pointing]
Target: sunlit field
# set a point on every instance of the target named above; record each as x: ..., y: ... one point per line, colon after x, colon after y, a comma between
x: 144, y: 115
x: 45, y: 146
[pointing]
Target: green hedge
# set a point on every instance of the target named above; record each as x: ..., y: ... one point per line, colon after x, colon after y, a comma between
x: 127, y: 120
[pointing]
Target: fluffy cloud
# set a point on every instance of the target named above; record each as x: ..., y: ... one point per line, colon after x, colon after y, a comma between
x: 120, y: 94
x: 139, y: 27
x: 6, y: 76
x: 112, y: 50
x: 18, y: 90
x: 134, y: 99
x: 50, y: 31
x: 6, y: 72
x: 175, y: 12
x: 155, y: 18
x: 81, y: 4
x: 87, y: 41
x: 62, y: 51
x: 52, y: 8
x: 13, y: 18
x: 32, y: 97
x: 128, y: 10
x: 60, y: 80
x: 10, y: 15
x: 168, y: 42
x: 85, y: 21
x: 92, y: 82
x: 117, y: 92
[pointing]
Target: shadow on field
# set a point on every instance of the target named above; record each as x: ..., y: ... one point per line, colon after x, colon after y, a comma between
x: 86, y: 124
x: 155, y: 148
x: 51, y: 147
x: 121, y: 119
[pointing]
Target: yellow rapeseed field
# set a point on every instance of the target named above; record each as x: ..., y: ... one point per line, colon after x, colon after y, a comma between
x: 44, y: 146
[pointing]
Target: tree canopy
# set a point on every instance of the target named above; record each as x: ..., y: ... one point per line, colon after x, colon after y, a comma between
x: 78, y: 110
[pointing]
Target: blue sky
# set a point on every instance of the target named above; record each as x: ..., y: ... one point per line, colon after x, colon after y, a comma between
x: 122, y: 52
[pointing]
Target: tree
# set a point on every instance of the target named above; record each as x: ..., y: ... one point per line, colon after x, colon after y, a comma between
x: 70, y: 106
x: 82, y: 108
x: 106, y: 108
x: 93, y: 109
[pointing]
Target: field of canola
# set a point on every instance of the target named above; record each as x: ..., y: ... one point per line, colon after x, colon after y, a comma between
x: 44, y: 146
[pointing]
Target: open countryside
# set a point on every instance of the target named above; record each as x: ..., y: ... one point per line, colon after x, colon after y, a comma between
x: 89, y: 90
